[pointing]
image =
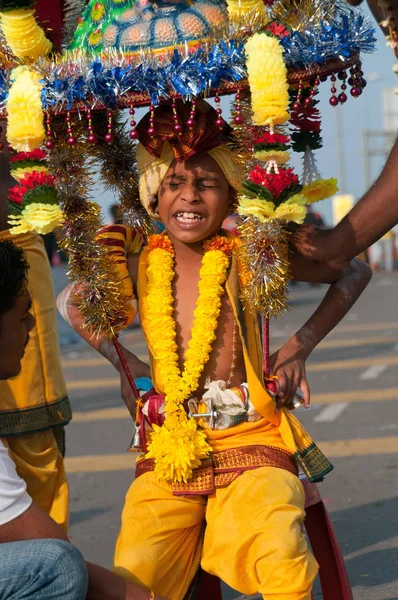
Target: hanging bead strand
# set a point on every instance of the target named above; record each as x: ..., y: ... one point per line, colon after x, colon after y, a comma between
x: 71, y: 138
x: 151, y: 129
x: 92, y: 138
x: 133, y: 124
x: 49, y: 142
x: 109, y: 137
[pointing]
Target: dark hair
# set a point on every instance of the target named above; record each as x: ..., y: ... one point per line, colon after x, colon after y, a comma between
x: 13, y: 275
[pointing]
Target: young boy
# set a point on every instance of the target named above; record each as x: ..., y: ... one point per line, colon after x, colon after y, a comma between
x: 249, y: 496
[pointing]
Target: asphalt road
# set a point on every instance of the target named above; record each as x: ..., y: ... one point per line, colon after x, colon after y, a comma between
x: 353, y: 416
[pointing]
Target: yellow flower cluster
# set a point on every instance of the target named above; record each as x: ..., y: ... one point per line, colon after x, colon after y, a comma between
x: 320, y: 190
x: 20, y: 172
x: 238, y: 8
x: 39, y: 217
x: 24, y: 36
x: 293, y: 210
x: 25, y: 130
x: 268, y: 80
x: 178, y: 446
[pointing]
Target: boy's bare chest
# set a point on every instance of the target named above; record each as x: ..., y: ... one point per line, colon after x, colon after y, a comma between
x: 186, y: 294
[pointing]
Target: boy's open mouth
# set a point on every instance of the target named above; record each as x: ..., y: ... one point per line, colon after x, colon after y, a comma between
x: 188, y: 218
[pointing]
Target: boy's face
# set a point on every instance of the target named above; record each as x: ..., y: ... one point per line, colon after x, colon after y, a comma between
x: 15, y: 326
x: 194, y: 199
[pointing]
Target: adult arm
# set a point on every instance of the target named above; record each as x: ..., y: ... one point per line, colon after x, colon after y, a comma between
x: 373, y: 216
x: 345, y: 288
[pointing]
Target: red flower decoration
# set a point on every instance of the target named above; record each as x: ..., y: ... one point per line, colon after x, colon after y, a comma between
x: 306, y: 120
x: 272, y: 138
x: 277, y: 29
x: 29, y: 182
x: 34, y: 155
x: 274, y: 182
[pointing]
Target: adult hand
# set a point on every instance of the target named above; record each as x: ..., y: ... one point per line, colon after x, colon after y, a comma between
x: 321, y: 245
x: 288, y: 364
x: 138, y: 369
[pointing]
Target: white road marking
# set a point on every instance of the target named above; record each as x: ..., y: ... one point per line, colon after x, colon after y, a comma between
x: 373, y: 372
x: 331, y: 412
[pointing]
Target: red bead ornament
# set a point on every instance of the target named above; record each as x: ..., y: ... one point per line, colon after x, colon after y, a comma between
x: 72, y: 141
x: 333, y: 100
x: 190, y: 123
x: 133, y: 124
x: 49, y: 143
x: 238, y: 119
x: 151, y: 129
x: 109, y: 137
x: 342, y: 75
x: 92, y: 138
x: 220, y: 120
x: 177, y: 127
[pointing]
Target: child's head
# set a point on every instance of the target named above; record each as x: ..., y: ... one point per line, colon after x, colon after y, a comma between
x: 188, y: 181
x: 194, y: 198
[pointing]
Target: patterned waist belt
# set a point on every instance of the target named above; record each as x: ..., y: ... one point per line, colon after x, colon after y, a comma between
x: 222, y: 468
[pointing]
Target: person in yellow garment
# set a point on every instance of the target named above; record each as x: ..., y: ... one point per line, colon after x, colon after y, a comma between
x: 206, y: 360
x: 34, y: 406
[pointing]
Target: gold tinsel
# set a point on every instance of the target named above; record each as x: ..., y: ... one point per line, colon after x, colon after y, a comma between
x: 100, y: 293
x: 119, y: 171
x: 263, y: 264
x: 298, y: 14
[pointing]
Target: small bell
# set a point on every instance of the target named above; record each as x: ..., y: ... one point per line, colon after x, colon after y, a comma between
x: 135, y: 445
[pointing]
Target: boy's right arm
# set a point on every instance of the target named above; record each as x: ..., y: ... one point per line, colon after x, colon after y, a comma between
x: 68, y: 308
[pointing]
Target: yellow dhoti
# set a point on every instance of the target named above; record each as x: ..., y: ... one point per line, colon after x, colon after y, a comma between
x: 253, y: 539
x: 36, y: 401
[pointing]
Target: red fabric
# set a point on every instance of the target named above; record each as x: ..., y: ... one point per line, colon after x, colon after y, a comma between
x: 202, y: 137
x: 332, y: 571
x: 50, y: 14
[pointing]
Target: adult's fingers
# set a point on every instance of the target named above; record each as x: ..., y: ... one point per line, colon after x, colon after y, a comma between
x: 306, y: 392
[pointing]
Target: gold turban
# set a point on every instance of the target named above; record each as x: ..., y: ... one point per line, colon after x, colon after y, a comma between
x: 153, y: 170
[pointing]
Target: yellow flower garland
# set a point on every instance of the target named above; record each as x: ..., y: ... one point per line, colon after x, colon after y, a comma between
x: 268, y: 80
x: 292, y: 210
x: 240, y: 8
x: 25, y: 130
x: 23, y: 34
x: 178, y: 446
x: 320, y: 190
x: 43, y: 218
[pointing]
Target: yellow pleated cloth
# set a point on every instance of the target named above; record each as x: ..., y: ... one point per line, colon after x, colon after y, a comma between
x: 253, y: 539
x: 36, y: 401
x: 40, y: 464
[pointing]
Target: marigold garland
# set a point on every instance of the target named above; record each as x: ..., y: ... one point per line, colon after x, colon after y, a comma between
x: 178, y: 446
x: 268, y: 80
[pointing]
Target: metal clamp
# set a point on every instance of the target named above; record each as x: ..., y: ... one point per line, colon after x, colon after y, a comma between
x: 212, y: 415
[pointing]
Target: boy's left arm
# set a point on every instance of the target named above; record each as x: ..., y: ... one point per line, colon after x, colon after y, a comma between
x: 345, y: 288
